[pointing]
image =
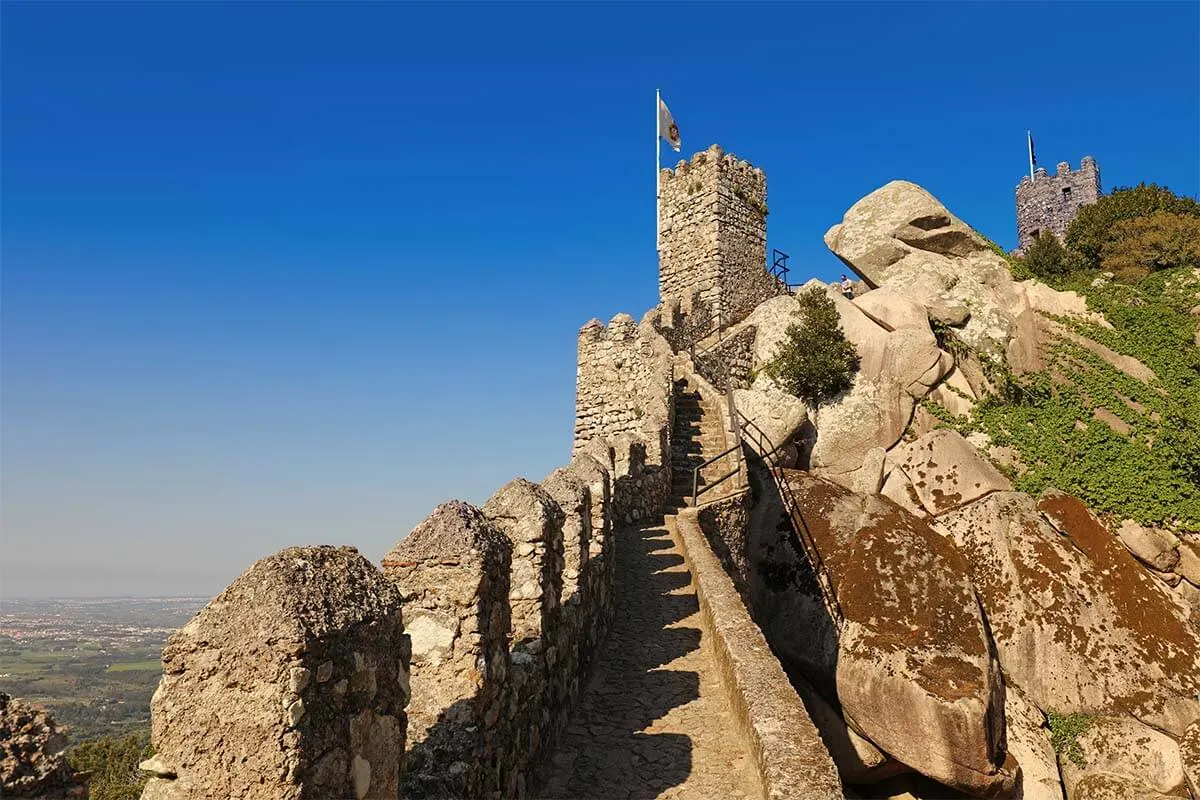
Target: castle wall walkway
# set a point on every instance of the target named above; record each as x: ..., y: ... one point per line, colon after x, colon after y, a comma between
x: 655, y: 719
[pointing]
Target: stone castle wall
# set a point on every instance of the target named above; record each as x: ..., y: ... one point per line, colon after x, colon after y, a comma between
x: 303, y: 680
x: 303, y: 669
x: 292, y: 683
x: 728, y: 363
x: 713, y: 245
x: 1050, y: 202
x: 623, y: 396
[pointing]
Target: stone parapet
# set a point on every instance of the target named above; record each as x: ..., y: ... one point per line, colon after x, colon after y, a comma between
x: 292, y: 683
x: 453, y: 571
x: 791, y: 757
x: 507, y: 606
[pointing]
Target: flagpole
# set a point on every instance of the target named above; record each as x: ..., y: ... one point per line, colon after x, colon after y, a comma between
x: 657, y: 165
x: 1029, y: 135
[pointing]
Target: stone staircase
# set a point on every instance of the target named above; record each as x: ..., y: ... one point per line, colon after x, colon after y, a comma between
x: 697, y: 436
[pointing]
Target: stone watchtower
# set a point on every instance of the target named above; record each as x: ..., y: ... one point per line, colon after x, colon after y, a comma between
x: 1050, y: 202
x: 713, y: 235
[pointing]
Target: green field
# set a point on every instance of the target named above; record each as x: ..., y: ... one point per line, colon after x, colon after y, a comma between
x: 134, y: 666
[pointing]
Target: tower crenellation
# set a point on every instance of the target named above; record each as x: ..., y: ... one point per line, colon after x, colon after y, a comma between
x: 1050, y: 202
x: 713, y: 235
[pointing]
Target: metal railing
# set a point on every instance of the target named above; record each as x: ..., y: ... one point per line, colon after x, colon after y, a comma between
x: 736, y: 448
x: 800, y: 537
x: 718, y: 330
x: 779, y: 268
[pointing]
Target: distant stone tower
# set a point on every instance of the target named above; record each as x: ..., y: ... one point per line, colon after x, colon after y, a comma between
x: 1050, y: 202
x: 713, y: 217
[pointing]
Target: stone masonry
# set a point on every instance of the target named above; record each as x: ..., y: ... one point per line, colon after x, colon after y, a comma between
x: 713, y: 217
x: 452, y: 572
x: 1050, y: 202
x: 506, y: 607
x: 292, y: 683
x: 622, y: 385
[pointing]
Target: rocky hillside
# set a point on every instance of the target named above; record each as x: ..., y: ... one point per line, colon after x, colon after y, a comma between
x: 1004, y: 508
x: 32, y: 758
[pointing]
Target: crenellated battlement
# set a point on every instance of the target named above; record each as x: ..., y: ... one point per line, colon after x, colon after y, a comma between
x: 1050, y: 202
x: 713, y: 235
x: 711, y: 161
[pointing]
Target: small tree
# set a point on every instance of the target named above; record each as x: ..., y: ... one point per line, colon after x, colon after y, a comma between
x: 1095, y: 225
x: 1143, y: 245
x: 814, y: 362
x: 1046, y: 257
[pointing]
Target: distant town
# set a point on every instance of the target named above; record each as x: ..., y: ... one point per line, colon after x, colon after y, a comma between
x: 94, y: 662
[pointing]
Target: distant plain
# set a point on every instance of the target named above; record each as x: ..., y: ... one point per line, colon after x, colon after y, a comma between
x: 93, y: 662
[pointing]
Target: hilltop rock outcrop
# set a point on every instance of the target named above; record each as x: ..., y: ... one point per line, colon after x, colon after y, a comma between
x: 901, y: 237
x: 913, y: 650
x: 33, y: 762
x: 1078, y: 624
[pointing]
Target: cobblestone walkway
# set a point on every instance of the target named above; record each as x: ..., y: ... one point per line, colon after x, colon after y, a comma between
x: 653, y: 721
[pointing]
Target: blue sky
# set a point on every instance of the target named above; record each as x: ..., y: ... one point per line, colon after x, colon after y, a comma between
x: 283, y: 274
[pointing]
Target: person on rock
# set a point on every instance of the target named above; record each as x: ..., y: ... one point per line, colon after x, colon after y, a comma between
x: 847, y: 288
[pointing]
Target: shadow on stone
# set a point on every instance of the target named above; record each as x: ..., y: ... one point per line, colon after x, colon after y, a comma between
x: 605, y: 751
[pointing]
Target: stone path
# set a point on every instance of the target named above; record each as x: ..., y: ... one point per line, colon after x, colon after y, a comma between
x: 654, y: 720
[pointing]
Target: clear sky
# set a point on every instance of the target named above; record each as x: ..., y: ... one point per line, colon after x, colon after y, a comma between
x: 282, y: 274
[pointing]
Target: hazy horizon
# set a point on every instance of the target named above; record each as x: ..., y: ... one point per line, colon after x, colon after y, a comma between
x: 290, y: 273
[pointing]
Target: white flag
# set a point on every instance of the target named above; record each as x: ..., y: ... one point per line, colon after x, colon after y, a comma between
x: 667, y: 129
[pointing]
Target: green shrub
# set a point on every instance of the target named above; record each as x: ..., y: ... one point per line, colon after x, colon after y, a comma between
x: 814, y: 362
x: 113, y: 766
x: 1142, y: 245
x: 1065, y: 731
x: 1095, y: 225
x: 1046, y: 257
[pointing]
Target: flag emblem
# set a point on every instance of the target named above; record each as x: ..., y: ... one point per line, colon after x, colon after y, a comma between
x: 667, y: 128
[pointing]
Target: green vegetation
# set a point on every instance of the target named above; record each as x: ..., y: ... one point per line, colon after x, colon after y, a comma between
x: 1099, y: 225
x: 814, y: 362
x: 1065, y: 732
x: 1147, y: 244
x: 1131, y: 255
x: 1047, y: 258
x: 112, y: 764
x: 948, y: 340
x: 1152, y: 473
x: 151, y: 664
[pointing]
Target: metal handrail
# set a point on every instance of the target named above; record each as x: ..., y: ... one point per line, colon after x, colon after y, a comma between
x: 736, y: 447
x: 803, y: 539
x: 718, y: 330
x: 696, y: 490
x: 779, y: 268
x: 800, y: 538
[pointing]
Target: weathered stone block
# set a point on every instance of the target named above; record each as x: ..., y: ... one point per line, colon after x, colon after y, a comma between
x: 237, y: 713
